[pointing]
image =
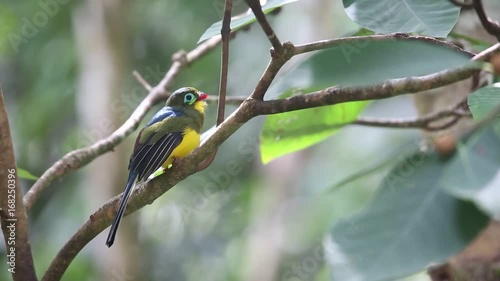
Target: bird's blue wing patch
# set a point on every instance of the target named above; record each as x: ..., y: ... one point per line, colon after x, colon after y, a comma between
x: 165, y: 112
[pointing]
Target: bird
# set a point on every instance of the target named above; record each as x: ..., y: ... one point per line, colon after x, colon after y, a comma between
x: 173, y: 132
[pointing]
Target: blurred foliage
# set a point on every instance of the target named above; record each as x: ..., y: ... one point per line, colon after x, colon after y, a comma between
x: 411, y: 218
x: 204, y: 228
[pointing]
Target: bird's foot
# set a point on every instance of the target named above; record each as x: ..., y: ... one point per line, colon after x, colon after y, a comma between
x: 158, y: 172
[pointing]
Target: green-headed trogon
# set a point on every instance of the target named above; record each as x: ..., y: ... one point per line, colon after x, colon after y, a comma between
x: 173, y: 132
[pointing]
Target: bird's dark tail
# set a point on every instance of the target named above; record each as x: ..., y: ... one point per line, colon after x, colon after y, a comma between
x: 121, y: 209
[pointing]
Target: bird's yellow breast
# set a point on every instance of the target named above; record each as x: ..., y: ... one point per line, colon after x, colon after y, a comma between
x: 190, y: 141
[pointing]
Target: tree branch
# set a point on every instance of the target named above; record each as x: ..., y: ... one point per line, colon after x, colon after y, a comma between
x: 80, y: 157
x: 266, y: 27
x: 413, y: 123
x: 491, y: 26
x: 232, y: 100
x: 453, y: 114
x: 272, y: 70
x: 387, y: 89
x: 13, y: 219
x: 148, y: 192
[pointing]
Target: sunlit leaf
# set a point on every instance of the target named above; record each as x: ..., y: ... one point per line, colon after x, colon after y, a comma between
x: 241, y: 21
x: 411, y: 223
x: 429, y: 17
x: 22, y: 173
x: 296, y: 130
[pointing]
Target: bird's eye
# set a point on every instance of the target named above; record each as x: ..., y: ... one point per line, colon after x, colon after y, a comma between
x: 189, y: 98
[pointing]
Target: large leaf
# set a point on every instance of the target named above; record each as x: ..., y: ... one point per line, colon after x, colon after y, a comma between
x: 296, y: 130
x: 474, y: 170
x: 429, y: 17
x: 243, y: 20
x: 410, y: 224
x: 361, y: 62
x: 483, y: 101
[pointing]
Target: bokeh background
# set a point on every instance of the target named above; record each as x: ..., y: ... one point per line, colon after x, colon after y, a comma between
x: 65, y: 70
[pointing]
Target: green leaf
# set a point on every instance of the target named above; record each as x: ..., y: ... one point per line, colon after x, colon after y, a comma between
x: 241, y: 21
x: 22, y: 173
x: 390, y: 158
x: 292, y: 131
x: 362, y: 62
x: 483, y: 101
x: 474, y: 171
x: 428, y: 17
x: 411, y: 223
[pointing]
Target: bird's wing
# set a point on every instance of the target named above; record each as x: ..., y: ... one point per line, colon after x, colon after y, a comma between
x: 148, y: 157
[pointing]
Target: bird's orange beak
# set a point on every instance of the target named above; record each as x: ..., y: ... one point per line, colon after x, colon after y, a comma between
x: 202, y: 96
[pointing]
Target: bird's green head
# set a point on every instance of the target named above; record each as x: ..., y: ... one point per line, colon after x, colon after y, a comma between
x: 188, y: 97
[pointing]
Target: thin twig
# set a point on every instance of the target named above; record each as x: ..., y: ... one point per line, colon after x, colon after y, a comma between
x: 387, y: 89
x: 80, y: 157
x: 225, y: 31
x: 415, y: 123
x: 266, y: 27
x: 142, y: 81
x: 231, y: 100
x: 324, y: 44
x: 221, y: 105
x: 490, y: 25
x: 15, y: 220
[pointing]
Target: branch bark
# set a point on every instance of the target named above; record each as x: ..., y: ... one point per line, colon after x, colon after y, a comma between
x: 221, y: 102
x: 13, y: 214
x: 266, y: 27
